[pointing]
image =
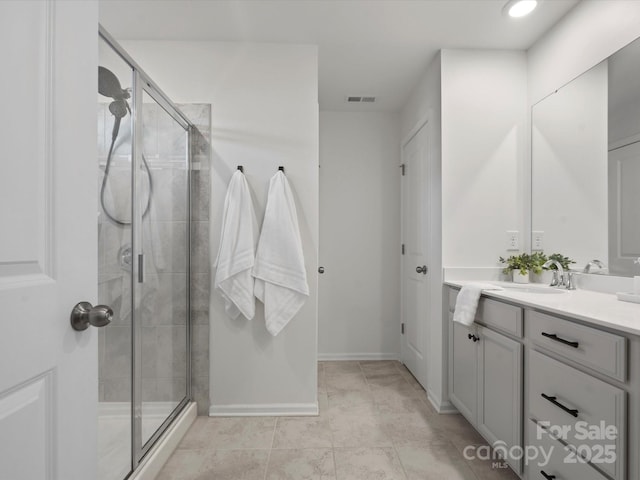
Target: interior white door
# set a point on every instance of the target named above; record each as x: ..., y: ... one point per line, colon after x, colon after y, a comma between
x: 624, y: 216
x: 48, y: 240
x: 415, y: 275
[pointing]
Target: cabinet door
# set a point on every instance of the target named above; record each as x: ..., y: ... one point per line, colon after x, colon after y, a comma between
x: 500, y: 391
x: 463, y: 370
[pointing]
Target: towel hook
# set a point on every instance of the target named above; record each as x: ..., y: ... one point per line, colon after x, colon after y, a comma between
x: 241, y: 168
x: 281, y: 168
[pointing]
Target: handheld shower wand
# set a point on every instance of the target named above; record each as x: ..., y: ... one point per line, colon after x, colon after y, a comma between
x: 109, y: 86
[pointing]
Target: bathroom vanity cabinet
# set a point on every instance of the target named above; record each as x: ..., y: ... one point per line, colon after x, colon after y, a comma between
x: 540, y: 380
x: 486, y: 372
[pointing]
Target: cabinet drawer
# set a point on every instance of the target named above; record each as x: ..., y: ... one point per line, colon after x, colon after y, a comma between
x: 601, y: 351
x: 501, y: 316
x: 495, y: 314
x: 555, y: 459
x: 574, y: 401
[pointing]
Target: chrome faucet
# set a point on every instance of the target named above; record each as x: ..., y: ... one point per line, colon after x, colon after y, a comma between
x: 558, y: 275
x: 571, y: 281
x: 593, y: 263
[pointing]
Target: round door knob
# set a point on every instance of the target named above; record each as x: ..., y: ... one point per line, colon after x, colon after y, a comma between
x: 85, y: 314
x: 423, y: 269
x: 320, y: 269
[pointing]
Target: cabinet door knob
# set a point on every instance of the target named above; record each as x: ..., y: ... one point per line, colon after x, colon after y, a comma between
x: 475, y: 338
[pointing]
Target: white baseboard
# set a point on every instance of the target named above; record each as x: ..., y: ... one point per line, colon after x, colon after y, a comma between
x: 324, y: 357
x: 166, y: 445
x: 445, y: 407
x: 123, y: 409
x: 265, y: 410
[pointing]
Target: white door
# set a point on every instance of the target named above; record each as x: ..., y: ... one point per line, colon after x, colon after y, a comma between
x: 48, y: 239
x: 415, y: 275
x: 624, y: 216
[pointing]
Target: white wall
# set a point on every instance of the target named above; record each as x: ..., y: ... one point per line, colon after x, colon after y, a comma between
x: 264, y: 114
x: 359, y: 306
x: 484, y: 130
x: 423, y: 100
x: 588, y: 34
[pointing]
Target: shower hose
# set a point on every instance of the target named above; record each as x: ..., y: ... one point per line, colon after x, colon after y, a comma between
x: 107, y: 168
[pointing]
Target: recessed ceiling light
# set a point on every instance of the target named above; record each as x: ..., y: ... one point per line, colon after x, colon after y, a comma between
x: 520, y: 8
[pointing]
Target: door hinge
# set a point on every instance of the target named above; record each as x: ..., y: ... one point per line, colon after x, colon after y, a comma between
x: 403, y: 249
x: 403, y: 169
x: 402, y: 328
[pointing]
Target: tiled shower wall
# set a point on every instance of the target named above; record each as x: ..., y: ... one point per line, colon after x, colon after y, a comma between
x: 200, y: 116
x: 165, y: 307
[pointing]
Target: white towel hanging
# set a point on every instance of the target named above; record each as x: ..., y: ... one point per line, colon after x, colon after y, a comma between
x: 467, y: 302
x: 236, y: 254
x: 281, y: 278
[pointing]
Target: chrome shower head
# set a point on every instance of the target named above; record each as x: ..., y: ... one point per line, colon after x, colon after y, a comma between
x: 109, y: 86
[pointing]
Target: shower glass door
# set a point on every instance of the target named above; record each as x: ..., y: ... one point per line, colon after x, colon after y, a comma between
x: 163, y: 293
x: 115, y: 253
x: 143, y: 225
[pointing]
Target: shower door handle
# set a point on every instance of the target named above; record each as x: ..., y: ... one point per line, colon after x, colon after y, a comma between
x: 85, y: 314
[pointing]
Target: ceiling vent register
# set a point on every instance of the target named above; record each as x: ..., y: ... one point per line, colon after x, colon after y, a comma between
x: 361, y: 99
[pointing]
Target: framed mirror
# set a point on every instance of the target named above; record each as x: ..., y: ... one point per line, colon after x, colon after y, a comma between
x: 585, y: 168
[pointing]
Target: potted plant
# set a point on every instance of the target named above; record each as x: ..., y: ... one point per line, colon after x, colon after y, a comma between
x: 562, y: 260
x: 538, y: 259
x: 518, y: 267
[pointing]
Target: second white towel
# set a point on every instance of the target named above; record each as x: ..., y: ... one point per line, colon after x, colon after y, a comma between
x: 279, y: 270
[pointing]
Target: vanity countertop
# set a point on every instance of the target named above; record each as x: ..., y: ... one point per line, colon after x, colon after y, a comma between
x: 597, y: 308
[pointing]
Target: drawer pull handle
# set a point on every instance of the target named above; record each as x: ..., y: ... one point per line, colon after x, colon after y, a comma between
x: 555, y: 337
x: 570, y: 411
x: 546, y: 475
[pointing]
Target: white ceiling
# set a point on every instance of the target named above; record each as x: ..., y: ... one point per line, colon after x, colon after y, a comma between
x: 366, y: 47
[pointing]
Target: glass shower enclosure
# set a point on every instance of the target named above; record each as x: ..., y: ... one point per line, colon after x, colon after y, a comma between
x: 143, y: 233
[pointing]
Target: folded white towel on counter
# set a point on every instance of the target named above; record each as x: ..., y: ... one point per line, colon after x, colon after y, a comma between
x: 281, y: 277
x: 236, y: 254
x: 467, y: 301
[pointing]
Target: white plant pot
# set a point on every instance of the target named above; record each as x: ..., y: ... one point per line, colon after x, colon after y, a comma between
x: 544, y: 277
x: 519, y: 278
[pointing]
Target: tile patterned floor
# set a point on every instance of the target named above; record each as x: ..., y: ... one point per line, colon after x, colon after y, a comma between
x: 375, y: 423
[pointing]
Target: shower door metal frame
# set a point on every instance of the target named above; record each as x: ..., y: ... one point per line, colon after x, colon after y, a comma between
x: 142, y: 83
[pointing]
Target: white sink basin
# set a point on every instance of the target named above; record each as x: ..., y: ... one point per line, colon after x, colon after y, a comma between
x: 534, y: 290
